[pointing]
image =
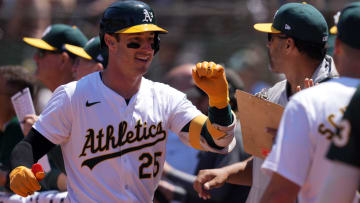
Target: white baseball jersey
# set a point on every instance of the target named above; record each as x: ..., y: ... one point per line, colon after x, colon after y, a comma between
x: 308, y: 123
x: 279, y: 95
x: 113, y: 151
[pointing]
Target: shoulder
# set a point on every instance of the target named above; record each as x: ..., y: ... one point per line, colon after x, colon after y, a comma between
x: 272, y: 92
x: 328, y: 89
x: 83, y: 86
x: 67, y: 89
x: 321, y: 93
x: 278, y: 87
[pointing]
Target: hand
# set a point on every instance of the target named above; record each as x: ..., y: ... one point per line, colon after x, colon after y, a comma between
x: 23, y: 182
x: 209, y: 179
x: 210, y: 77
x: 307, y: 83
x: 28, y: 122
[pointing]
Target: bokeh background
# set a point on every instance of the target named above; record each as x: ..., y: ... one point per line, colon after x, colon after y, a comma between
x: 212, y: 30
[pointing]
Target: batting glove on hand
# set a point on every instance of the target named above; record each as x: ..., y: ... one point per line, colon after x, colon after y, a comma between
x: 210, y: 77
x: 23, y: 182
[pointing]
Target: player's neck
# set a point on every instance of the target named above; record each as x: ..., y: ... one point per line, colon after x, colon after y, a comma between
x: 298, y: 71
x: 52, y: 84
x: 125, y: 86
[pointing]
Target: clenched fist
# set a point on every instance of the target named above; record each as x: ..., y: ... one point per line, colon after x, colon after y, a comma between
x: 210, y: 77
x: 23, y: 182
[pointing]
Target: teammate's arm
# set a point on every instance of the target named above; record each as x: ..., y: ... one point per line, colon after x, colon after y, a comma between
x: 217, y: 130
x: 27, y: 152
x: 238, y: 173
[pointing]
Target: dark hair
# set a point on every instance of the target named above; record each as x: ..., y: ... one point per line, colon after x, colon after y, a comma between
x: 313, y: 50
x: 17, y: 78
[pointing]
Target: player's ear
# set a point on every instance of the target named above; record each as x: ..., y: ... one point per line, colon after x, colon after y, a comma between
x: 65, y: 60
x: 64, y: 57
x: 99, y: 67
x: 110, y: 41
x: 289, y: 45
x: 337, y: 47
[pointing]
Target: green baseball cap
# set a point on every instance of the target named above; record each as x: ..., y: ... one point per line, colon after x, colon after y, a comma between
x: 56, y: 36
x: 299, y: 20
x: 92, y: 51
x: 348, y: 26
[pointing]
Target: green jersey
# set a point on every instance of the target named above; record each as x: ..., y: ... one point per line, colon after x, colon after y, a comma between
x: 346, y: 145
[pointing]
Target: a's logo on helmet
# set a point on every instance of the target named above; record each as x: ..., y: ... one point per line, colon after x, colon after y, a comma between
x: 148, y: 16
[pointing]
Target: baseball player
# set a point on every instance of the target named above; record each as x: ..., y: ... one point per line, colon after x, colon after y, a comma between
x: 297, y: 160
x: 112, y: 125
x: 91, y: 58
x: 296, y: 45
x: 344, y: 153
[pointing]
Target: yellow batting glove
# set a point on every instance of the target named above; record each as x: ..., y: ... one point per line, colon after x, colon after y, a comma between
x: 23, y: 182
x: 210, y: 77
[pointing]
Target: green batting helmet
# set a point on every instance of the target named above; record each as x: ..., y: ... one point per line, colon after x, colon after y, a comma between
x: 129, y: 17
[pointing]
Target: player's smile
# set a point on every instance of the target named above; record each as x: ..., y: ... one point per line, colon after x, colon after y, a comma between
x: 143, y: 57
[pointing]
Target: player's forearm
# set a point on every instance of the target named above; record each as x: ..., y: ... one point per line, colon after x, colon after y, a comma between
x: 214, y: 133
x: 222, y: 116
x: 220, y: 126
x: 240, y: 173
x: 30, y: 150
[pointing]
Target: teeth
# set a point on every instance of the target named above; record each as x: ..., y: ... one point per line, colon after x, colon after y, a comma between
x: 143, y: 57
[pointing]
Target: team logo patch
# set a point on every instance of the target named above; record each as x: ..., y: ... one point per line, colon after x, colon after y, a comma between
x: 148, y: 16
x: 88, y: 104
x: 287, y: 27
x: 100, y: 58
x: 107, y: 138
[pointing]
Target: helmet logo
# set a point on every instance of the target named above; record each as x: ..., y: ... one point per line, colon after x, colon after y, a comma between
x: 100, y: 58
x: 148, y: 16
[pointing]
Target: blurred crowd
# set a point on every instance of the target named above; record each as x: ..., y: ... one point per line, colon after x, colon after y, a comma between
x: 226, y: 25
x: 199, y: 30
